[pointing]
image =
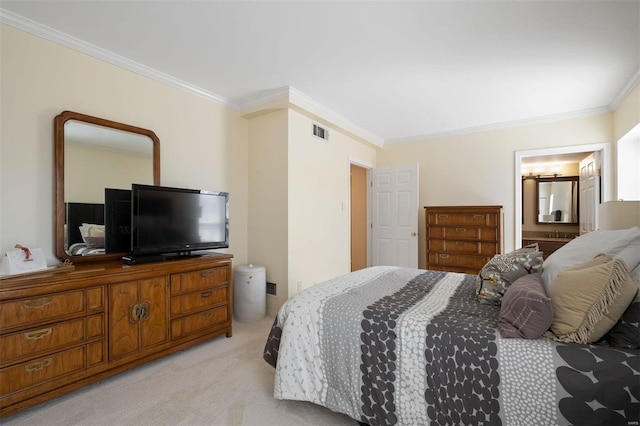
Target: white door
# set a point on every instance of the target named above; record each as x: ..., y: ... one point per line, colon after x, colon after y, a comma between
x: 394, y: 216
x: 589, y: 193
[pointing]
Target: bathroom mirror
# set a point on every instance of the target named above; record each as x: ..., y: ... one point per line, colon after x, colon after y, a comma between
x: 557, y: 200
x: 92, y: 155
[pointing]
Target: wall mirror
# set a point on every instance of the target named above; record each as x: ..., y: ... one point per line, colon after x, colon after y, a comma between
x: 96, y: 161
x: 557, y: 200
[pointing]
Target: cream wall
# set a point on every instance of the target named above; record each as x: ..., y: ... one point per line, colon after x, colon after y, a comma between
x: 478, y: 168
x: 202, y: 143
x: 319, y: 217
x: 268, y: 203
x: 627, y: 115
x: 88, y: 167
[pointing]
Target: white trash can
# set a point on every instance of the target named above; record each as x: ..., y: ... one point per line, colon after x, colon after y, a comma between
x: 249, y: 293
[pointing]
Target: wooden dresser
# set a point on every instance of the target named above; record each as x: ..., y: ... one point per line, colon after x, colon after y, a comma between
x: 462, y: 238
x: 546, y: 246
x: 61, y: 331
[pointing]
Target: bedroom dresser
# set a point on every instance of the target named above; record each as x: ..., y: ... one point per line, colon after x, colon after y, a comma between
x: 462, y: 238
x: 63, y: 330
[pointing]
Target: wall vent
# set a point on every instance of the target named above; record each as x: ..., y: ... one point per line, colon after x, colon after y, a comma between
x: 320, y: 132
x: 271, y: 288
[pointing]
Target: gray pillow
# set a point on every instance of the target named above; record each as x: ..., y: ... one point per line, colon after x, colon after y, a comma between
x: 504, y: 269
x: 526, y: 311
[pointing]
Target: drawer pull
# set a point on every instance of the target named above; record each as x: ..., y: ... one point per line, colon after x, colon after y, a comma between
x: 460, y: 229
x: 460, y: 243
x: 443, y: 256
x: 139, y: 311
x: 206, y: 274
x: 37, y: 303
x: 38, y: 365
x: 207, y: 293
x: 38, y: 334
x: 478, y: 216
x: 207, y: 314
x: 443, y: 216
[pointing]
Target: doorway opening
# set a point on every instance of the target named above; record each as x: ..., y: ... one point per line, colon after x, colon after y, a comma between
x: 358, y: 202
x: 524, y: 158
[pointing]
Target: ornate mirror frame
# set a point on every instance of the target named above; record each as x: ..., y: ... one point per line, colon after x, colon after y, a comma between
x: 59, y: 176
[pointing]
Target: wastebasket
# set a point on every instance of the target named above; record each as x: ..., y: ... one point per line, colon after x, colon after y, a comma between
x: 249, y: 293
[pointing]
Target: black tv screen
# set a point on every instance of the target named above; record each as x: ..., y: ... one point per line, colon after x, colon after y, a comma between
x: 168, y: 220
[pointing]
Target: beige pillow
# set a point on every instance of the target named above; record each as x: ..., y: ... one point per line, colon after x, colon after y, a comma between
x: 588, y: 299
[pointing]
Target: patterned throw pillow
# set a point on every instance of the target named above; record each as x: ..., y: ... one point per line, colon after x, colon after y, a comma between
x: 526, y: 311
x: 501, y: 271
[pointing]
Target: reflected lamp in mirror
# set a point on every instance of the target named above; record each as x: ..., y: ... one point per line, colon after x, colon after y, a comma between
x: 557, y: 199
x: 618, y: 215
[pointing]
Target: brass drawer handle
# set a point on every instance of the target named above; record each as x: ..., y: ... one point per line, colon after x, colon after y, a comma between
x: 460, y: 243
x: 139, y: 311
x: 207, y: 314
x: 37, y: 334
x: 37, y: 303
x: 38, y: 365
x: 460, y: 229
x: 206, y: 274
x: 207, y: 293
x: 444, y: 256
x: 478, y: 216
x: 443, y: 216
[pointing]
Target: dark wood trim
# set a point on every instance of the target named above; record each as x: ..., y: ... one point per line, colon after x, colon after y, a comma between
x: 58, y: 180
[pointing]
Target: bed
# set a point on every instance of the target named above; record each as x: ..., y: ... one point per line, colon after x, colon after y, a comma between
x: 399, y: 346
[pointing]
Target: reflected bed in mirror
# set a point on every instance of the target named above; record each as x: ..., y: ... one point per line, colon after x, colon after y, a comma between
x: 94, y: 159
x: 557, y: 200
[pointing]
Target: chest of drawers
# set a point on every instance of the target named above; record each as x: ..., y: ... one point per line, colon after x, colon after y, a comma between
x: 462, y: 238
x: 61, y: 331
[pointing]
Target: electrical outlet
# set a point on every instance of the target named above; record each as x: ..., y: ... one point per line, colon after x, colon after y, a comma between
x: 299, y: 286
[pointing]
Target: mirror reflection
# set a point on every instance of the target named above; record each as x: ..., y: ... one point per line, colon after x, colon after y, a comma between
x: 557, y: 200
x: 96, y: 162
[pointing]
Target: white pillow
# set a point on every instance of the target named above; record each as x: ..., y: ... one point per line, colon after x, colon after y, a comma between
x: 619, y: 243
x: 91, y: 230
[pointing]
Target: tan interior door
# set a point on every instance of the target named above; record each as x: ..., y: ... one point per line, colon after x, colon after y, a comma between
x: 358, y: 217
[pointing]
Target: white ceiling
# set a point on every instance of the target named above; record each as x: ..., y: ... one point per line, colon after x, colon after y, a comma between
x: 396, y: 70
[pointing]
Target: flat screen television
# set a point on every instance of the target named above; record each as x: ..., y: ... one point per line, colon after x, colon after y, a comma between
x: 177, y: 221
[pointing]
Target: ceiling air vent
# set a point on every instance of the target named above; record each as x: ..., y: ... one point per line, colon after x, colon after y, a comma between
x: 320, y: 132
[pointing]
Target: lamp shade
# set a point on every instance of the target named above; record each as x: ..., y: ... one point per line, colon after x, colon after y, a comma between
x: 618, y: 214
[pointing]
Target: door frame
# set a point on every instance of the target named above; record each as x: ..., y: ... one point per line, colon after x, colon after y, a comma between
x: 368, y: 166
x: 606, y: 173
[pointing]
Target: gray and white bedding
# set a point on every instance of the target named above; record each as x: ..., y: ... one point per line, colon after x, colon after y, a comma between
x: 398, y: 346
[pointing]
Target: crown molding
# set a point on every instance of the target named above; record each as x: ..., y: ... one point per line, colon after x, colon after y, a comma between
x: 286, y: 96
x: 289, y: 97
x: 74, y: 43
x: 626, y: 90
x: 501, y: 125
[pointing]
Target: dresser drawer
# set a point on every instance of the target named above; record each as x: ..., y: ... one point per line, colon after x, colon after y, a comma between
x: 36, y: 340
x: 463, y: 233
x: 467, y: 247
x: 196, y: 301
x: 459, y: 269
x: 53, y: 306
x: 478, y: 219
x: 196, y: 322
x: 468, y: 261
x: 32, y: 373
x: 197, y: 280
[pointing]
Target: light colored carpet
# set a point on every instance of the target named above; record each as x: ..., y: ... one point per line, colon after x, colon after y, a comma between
x: 220, y: 382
